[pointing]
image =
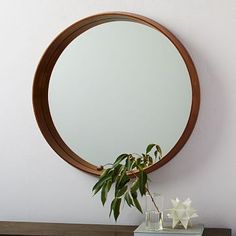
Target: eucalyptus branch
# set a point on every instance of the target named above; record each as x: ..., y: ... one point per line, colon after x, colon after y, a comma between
x: 120, y: 173
x: 155, y: 205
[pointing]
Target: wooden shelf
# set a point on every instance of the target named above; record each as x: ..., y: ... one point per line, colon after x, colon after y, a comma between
x: 58, y: 229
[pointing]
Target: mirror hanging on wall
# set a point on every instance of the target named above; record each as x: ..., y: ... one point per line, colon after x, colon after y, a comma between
x: 113, y: 83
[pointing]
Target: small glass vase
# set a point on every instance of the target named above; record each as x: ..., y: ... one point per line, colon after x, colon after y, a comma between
x: 154, y: 212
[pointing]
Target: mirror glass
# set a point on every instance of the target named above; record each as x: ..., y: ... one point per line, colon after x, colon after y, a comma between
x: 118, y: 87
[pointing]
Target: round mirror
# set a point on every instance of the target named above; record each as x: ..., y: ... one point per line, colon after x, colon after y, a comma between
x: 114, y: 83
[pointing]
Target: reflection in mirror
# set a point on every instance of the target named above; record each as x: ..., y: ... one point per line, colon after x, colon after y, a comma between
x: 118, y: 87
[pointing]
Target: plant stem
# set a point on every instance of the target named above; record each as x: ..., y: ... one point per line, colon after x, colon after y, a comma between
x: 155, y: 205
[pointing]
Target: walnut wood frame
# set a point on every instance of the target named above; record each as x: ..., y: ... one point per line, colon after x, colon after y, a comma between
x: 45, y: 67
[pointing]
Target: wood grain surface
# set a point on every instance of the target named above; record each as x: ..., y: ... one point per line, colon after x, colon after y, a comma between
x: 61, y: 229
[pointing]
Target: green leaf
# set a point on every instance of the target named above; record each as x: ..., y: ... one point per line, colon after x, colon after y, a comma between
x: 117, y: 168
x: 120, y: 159
x: 135, y: 185
x: 159, y: 150
x: 134, y: 194
x: 142, y: 182
x: 149, y: 148
x: 102, y: 176
x: 112, y: 205
x: 101, y: 182
x: 115, y: 207
x: 150, y: 160
x: 105, y: 172
x: 138, y: 161
x: 121, y: 191
x: 122, y: 179
x: 141, y: 164
x: 128, y: 162
x: 137, y: 205
x: 135, y: 201
x: 128, y: 199
x: 109, y: 183
x: 146, y: 160
x: 133, y: 164
x: 103, y: 194
x: 155, y: 154
x: 140, y: 167
x: 105, y: 189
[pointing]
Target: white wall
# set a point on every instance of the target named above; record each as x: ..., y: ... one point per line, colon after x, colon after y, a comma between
x: 37, y: 185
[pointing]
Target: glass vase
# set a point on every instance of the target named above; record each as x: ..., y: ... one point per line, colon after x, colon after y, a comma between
x: 154, y: 212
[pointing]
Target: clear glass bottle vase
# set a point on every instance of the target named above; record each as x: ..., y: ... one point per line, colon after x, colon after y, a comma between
x: 154, y: 212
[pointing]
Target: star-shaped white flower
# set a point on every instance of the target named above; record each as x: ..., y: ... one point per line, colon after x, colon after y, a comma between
x: 181, y: 212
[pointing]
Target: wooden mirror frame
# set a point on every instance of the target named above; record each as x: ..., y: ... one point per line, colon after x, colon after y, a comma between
x: 49, y: 59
